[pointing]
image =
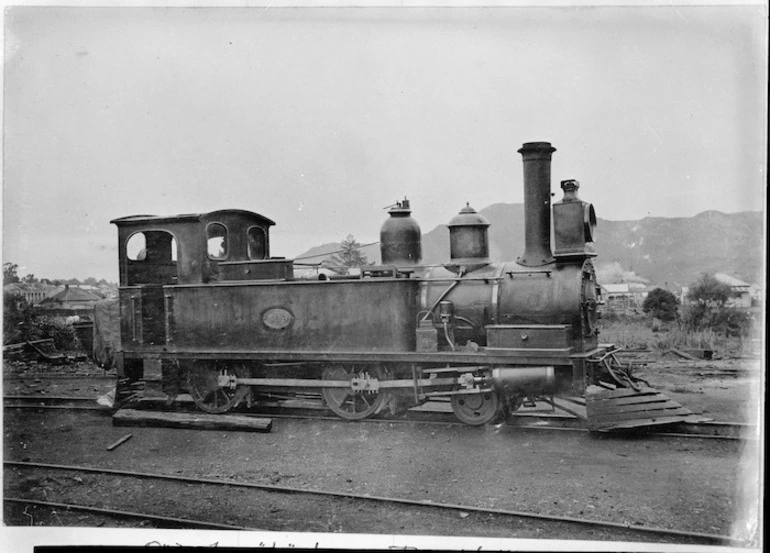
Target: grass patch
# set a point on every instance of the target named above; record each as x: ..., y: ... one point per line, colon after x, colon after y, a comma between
x: 641, y: 332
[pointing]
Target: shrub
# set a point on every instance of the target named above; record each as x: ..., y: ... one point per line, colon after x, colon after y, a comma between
x: 709, y: 309
x: 727, y: 321
x: 23, y: 323
x: 63, y: 334
x: 661, y: 304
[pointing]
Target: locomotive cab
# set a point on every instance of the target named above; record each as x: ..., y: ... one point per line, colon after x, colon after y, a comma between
x: 230, y: 244
x: 238, y: 247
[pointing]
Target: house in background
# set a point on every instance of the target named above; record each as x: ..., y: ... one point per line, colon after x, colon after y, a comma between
x: 741, y: 290
x: 33, y: 293
x: 70, y: 302
x: 627, y: 295
x: 757, y: 293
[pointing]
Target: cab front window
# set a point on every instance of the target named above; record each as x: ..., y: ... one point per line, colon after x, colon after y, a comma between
x: 257, y: 241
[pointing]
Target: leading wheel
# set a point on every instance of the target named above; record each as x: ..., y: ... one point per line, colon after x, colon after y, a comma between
x: 204, y: 386
x: 347, y: 402
x: 477, y: 409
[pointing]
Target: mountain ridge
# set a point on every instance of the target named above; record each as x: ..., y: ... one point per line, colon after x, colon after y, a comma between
x: 667, y: 251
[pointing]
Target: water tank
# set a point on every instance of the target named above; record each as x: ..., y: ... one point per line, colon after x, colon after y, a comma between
x: 400, y: 237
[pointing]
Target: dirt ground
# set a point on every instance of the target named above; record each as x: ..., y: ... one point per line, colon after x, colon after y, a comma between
x: 727, y: 390
x: 699, y: 486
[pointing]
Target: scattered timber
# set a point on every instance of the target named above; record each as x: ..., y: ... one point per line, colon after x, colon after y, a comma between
x: 682, y: 354
x: 44, y: 350
x: 22, y: 345
x: 121, y: 441
x: 194, y: 421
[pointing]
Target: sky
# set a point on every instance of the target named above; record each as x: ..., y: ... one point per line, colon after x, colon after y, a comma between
x: 321, y: 118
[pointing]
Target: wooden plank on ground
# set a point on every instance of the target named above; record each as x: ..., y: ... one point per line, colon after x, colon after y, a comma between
x: 638, y: 422
x: 628, y: 400
x: 577, y: 410
x: 193, y: 421
x: 683, y: 355
x: 620, y: 392
x: 614, y: 409
x: 575, y: 399
x: 624, y: 417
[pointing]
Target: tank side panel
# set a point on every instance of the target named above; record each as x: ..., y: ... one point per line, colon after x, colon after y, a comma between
x: 365, y: 315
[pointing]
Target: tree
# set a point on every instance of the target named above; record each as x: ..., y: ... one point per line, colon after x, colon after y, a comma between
x: 661, y: 304
x: 709, y: 308
x: 708, y: 291
x: 10, y: 273
x: 349, y: 256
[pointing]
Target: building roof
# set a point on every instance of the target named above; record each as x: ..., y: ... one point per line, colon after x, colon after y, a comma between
x: 72, y: 295
x: 731, y: 281
x: 616, y: 288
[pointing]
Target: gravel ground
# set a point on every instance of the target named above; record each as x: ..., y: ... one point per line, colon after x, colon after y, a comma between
x: 693, y: 485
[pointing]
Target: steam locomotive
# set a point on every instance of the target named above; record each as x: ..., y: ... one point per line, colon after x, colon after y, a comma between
x: 206, y: 309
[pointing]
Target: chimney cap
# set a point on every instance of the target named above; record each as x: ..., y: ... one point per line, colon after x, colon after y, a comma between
x: 539, y: 147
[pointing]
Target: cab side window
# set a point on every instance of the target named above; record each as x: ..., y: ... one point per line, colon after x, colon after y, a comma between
x: 152, y: 257
x: 257, y: 241
x: 216, y: 241
x: 136, y: 247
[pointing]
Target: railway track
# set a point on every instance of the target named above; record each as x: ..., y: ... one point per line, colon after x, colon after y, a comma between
x: 432, y: 414
x: 51, y: 402
x: 159, y: 520
x: 347, y: 506
x: 47, y: 376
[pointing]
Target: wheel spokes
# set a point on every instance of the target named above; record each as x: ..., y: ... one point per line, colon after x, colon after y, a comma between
x: 346, y: 402
x: 203, y: 385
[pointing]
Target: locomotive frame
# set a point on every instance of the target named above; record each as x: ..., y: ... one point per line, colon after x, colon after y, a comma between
x: 205, y: 307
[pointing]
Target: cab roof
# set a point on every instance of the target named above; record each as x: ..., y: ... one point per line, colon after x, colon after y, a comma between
x: 192, y: 217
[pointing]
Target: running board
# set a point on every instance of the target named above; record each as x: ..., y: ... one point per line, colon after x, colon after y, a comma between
x: 625, y: 408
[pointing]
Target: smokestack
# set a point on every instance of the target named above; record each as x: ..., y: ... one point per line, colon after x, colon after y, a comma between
x: 537, y: 204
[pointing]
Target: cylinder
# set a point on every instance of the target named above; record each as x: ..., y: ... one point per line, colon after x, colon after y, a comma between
x: 537, y: 204
x: 525, y: 379
x: 400, y: 237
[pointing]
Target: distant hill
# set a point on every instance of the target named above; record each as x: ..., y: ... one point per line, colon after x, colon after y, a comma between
x: 673, y: 251
x: 325, y: 251
x: 678, y: 250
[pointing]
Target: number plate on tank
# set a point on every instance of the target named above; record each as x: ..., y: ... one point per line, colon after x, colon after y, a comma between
x: 277, y: 318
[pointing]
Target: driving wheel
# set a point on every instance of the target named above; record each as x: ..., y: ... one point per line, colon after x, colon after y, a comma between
x: 204, y: 386
x: 350, y: 403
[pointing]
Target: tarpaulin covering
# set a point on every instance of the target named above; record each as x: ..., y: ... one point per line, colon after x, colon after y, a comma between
x: 106, y: 332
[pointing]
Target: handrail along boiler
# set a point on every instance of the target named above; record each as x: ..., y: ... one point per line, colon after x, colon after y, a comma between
x: 205, y: 307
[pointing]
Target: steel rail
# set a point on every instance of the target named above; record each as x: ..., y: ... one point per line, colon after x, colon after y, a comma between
x: 70, y: 407
x: 79, y: 403
x: 44, y: 376
x: 128, y: 514
x: 49, y: 398
x: 716, y: 538
x: 511, y: 427
x: 745, y: 430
